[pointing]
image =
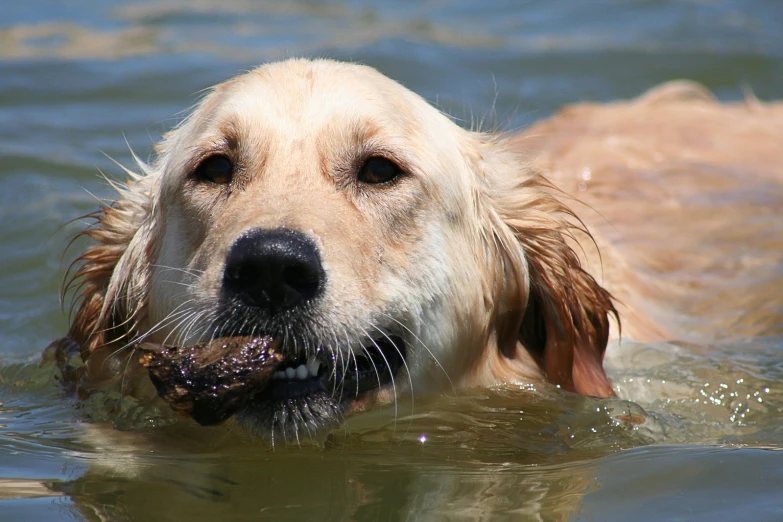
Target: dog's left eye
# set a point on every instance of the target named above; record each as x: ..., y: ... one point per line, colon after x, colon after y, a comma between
x: 377, y: 170
x: 218, y: 169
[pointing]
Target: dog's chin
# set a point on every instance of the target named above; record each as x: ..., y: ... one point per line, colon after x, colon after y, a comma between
x: 310, y: 395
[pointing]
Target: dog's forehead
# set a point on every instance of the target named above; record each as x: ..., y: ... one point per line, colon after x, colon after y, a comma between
x: 301, y: 97
x: 296, y: 92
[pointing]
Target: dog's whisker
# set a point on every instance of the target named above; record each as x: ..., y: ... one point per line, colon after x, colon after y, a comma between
x: 407, y: 371
x: 192, y: 324
x: 366, y: 349
x: 175, y: 326
x: 345, y: 361
x: 171, y: 318
x: 178, y: 310
x: 272, y: 429
x: 187, y: 271
x: 213, y: 325
x: 388, y: 366
x: 352, y: 353
x: 189, y: 286
x: 400, y: 353
x: 200, y: 327
x: 421, y: 343
x: 295, y: 424
x: 175, y: 332
x: 333, y: 368
x: 124, y: 325
x: 124, y: 374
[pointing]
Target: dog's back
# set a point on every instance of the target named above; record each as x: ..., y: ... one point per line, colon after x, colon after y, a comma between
x: 685, y: 197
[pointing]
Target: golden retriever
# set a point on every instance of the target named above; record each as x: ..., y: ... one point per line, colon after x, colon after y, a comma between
x: 391, y: 250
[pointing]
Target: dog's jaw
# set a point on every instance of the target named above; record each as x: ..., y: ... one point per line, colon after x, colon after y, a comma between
x: 308, y: 396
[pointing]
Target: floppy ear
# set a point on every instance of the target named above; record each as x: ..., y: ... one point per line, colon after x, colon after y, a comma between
x: 566, y: 320
x: 562, y: 314
x: 110, y: 281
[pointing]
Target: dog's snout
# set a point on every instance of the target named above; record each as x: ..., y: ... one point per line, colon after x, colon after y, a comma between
x: 275, y: 270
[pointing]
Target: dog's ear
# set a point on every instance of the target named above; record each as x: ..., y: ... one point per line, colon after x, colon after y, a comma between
x: 562, y: 313
x: 566, y: 319
x: 110, y: 277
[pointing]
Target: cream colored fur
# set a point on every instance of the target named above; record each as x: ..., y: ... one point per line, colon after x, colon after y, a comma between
x: 467, y: 257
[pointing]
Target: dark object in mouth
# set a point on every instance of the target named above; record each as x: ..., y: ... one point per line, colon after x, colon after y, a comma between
x: 211, y: 381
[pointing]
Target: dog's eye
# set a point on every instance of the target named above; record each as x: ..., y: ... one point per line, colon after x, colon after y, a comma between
x: 377, y: 170
x: 218, y: 169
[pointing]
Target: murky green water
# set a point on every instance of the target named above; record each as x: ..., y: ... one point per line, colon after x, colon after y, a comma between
x: 78, y: 80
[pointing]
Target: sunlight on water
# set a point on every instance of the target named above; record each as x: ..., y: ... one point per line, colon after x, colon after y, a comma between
x: 514, y: 449
x: 694, y: 430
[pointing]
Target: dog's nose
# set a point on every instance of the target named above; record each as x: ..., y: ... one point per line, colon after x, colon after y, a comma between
x: 275, y: 270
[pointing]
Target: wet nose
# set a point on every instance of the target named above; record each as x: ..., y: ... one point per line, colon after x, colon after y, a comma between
x: 274, y: 270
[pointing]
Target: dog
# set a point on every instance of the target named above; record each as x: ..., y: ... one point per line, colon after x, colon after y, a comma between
x: 389, y: 250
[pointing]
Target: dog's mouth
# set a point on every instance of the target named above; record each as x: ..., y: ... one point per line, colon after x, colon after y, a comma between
x: 268, y: 387
x: 308, y: 395
x: 343, y: 376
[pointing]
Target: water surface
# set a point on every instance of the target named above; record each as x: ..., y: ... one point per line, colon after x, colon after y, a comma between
x: 82, y: 83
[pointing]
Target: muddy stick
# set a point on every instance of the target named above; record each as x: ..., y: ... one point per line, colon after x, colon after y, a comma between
x: 210, y: 381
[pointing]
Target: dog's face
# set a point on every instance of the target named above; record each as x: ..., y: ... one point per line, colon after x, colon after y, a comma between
x: 328, y: 206
x: 323, y: 205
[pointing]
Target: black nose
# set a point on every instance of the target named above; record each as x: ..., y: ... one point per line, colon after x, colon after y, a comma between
x: 274, y: 270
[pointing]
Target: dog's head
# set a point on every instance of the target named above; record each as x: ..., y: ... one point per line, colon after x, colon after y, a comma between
x: 326, y: 205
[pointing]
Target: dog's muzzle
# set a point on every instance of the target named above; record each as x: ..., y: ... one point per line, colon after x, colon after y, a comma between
x: 265, y: 364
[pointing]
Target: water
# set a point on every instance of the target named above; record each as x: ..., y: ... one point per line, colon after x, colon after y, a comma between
x: 83, y: 82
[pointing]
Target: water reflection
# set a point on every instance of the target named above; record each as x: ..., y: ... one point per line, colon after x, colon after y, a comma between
x: 362, y: 475
x: 484, y: 454
x: 328, y: 486
x: 78, y: 77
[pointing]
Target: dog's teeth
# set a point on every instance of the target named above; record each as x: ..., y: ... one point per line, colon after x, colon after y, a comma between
x: 301, y: 372
x: 313, y: 365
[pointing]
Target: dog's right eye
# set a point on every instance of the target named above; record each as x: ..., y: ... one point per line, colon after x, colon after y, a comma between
x: 217, y: 169
x: 379, y: 171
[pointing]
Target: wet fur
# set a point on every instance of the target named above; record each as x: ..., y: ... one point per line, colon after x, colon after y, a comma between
x: 497, y: 295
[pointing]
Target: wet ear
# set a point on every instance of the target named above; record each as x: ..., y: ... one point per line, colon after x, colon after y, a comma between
x: 110, y: 278
x: 563, y: 313
x: 92, y: 325
x: 566, y: 320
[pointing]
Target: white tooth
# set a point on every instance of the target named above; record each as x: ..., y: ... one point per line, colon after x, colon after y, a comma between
x: 313, y: 365
x: 301, y: 371
x: 290, y: 372
x: 279, y: 375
